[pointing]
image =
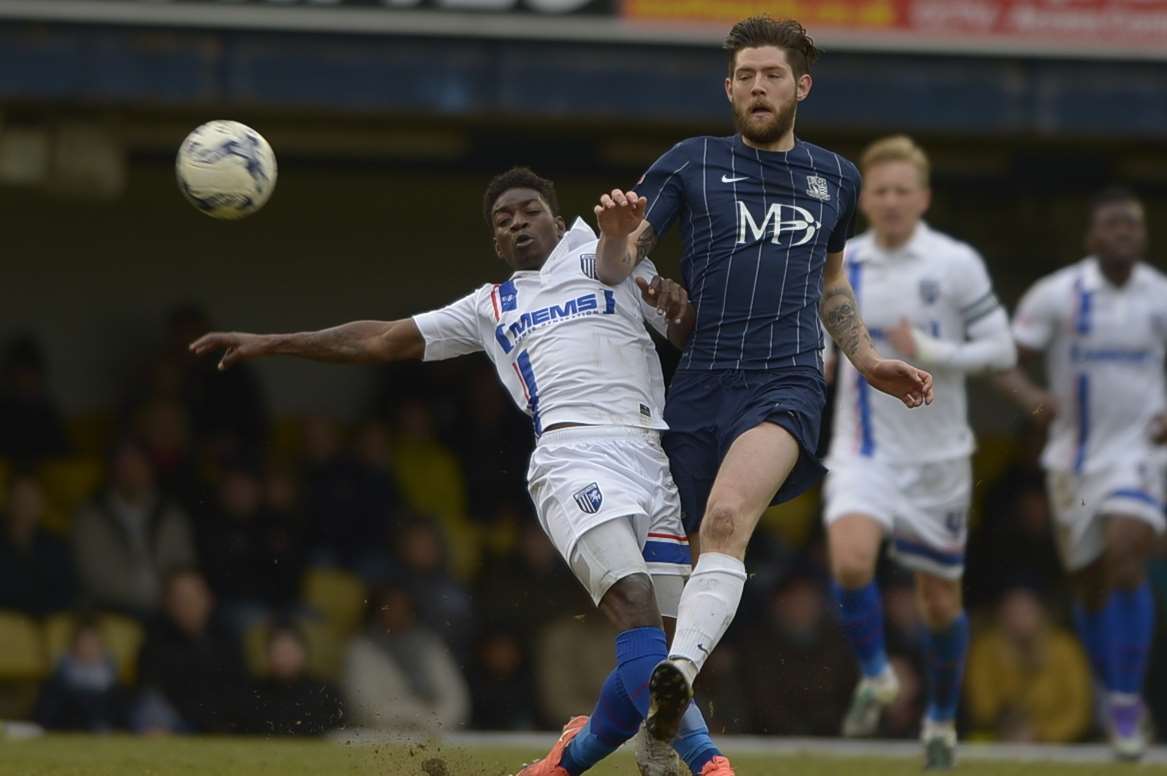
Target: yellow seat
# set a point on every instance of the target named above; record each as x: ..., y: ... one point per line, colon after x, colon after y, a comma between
x: 91, y: 432
x: 22, y: 651
x: 68, y: 483
x: 338, y: 595
x: 122, y: 636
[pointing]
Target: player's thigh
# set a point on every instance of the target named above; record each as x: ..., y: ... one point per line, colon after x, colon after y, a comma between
x: 579, y: 482
x: 755, y: 466
x: 664, y: 541
x: 607, y: 554
x: 860, y: 501
x: 1084, y: 507
x: 930, y: 530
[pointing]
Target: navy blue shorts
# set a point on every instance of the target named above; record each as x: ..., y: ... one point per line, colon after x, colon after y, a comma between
x: 707, y: 410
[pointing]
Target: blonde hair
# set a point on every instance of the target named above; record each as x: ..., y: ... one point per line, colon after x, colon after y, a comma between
x: 897, y: 148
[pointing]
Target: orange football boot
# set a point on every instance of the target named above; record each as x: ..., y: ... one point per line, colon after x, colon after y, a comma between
x: 549, y: 765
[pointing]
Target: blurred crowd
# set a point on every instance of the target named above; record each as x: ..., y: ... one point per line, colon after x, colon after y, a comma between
x: 189, y: 563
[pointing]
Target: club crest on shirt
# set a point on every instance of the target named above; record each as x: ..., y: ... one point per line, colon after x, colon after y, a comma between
x: 929, y: 290
x: 590, y: 499
x: 587, y: 265
x: 816, y: 186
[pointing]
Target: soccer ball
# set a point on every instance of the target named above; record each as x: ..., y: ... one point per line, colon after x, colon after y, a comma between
x: 226, y: 169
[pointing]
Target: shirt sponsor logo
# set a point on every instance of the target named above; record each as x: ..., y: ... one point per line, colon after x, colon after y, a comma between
x: 779, y: 220
x: 602, y: 303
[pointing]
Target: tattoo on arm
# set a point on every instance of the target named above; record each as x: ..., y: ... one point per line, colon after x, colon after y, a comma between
x: 645, y: 243
x: 840, y: 315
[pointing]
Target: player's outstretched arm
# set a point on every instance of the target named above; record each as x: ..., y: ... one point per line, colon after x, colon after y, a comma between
x: 359, y: 342
x: 1022, y: 391
x: 625, y: 237
x: 840, y: 315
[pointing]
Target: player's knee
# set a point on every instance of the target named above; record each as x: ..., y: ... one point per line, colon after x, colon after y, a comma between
x: 723, y: 527
x: 631, y: 603
x: 1126, y: 556
x: 853, y: 565
x: 940, y: 601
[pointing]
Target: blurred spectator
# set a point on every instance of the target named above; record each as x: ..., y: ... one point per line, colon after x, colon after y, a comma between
x: 163, y: 427
x: 528, y: 587
x: 288, y: 702
x: 31, y: 426
x: 432, y: 481
x: 399, y: 675
x: 130, y: 537
x: 1027, y: 678
x: 252, y: 552
x: 573, y: 657
x: 1015, y: 535
x: 226, y: 409
x: 493, y: 442
x: 443, y: 605
x: 810, y: 672
x: 501, y: 684
x: 190, y: 669
x: 83, y: 693
x: 36, y: 568
x: 352, y: 502
x: 722, y: 692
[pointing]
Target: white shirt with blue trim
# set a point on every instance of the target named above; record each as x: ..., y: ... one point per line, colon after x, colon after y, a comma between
x: 1105, y: 349
x: 568, y: 348
x: 940, y: 285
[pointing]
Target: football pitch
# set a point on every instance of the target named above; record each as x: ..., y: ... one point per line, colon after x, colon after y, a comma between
x: 124, y: 756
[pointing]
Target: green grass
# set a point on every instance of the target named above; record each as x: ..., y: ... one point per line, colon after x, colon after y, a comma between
x: 120, y: 756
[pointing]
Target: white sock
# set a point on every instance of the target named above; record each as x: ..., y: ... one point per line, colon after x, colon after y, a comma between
x: 708, y: 604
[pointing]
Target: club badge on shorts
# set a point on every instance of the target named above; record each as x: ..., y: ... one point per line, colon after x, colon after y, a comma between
x: 590, y: 499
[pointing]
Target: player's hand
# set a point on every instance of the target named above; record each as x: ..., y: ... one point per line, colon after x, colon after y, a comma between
x: 236, y: 346
x: 1159, y: 429
x: 668, y: 296
x: 902, y: 338
x: 910, y: 385
x: 619, y: 214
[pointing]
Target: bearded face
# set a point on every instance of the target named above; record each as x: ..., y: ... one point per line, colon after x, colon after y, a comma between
x: 764, y: 93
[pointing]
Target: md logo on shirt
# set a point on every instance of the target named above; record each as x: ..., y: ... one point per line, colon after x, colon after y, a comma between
x: 779, y: 219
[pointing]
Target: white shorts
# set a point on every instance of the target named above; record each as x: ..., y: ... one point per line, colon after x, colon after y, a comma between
x: 583, y: 477
x: 1132, y: 488
x: 923, y: 507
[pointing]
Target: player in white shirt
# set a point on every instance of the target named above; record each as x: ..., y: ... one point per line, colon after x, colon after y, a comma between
x: 905, y: 475
x: 575, y: 355
x: 1101, y: 324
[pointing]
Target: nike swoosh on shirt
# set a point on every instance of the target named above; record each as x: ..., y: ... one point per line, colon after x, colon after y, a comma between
x: 727, y: 179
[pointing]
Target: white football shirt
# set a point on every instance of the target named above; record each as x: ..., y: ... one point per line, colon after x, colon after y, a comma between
x: 941, y: 286
x: 1105, y: 349
x: 568, y: 348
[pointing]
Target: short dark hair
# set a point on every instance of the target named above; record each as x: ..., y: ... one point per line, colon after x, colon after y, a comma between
x: 1111, y: 195
x: 518, y: 178
x: 786, y: 34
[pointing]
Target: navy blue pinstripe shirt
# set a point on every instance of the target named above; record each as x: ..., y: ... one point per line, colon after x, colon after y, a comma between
x: 756, y: 228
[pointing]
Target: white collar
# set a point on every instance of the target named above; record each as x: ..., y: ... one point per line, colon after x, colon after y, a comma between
x: 915, y: 247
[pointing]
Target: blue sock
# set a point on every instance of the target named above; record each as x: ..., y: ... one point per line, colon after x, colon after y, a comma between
x: 638, y: 650
x: 946, y: 653
x: 861, y: 614
x: 1093, y: 628
x: 1134, y: 619
x: 693, y: 743
x: 623, y: 701
x: 614, y: 720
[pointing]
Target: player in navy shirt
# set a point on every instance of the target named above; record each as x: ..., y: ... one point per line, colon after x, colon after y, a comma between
x: 763, y: 216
